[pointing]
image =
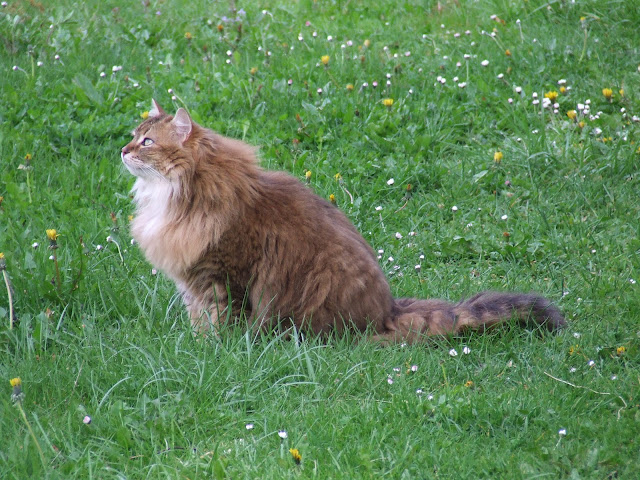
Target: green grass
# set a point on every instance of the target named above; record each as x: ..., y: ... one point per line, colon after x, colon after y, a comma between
x: 112, y: 341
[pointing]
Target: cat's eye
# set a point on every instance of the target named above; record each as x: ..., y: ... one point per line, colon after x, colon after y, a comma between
x: 146, y: 142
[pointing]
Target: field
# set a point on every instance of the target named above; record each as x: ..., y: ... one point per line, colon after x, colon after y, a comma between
x: 476, y: 145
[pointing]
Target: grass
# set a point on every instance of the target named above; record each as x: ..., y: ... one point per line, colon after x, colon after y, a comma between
x: 101, y: 335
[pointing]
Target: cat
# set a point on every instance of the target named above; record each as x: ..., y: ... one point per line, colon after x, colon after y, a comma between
x: 234, y: 237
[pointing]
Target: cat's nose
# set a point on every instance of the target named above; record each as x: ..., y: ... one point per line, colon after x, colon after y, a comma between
x: 125, y: 150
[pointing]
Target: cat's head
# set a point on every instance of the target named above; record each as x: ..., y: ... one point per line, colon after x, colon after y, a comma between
x: 158, y: 149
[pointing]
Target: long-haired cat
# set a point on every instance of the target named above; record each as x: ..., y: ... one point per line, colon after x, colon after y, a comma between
x: 232, y: 235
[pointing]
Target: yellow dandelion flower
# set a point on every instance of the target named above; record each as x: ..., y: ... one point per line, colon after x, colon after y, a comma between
x: 608, y: 93
x: 220, y: 27
x: 1, y: 256
x: 332, y: 198
x: 325, y: 59
x: 367, y: 43
x: 349, y: 86
x: 253, y: 70
x: 52, y: 234
x: 498, y: 156
x: 188, y: 35
x: 620, y: 351
x: 621, y: 92
x: 507, y: 52
x: 573, y: 349
x: 563, y: 90
x: 295, y: 453
x: 130, y: 218
x: 338, y: 177
x: 387, y: 102
x: 28, y: 157
x: 468, y: 384
x: 144, y: 115
x: 581, y: 124
x: 15, y: 382
x: 552, y: 95
x: 308, y: 174
x: 572, y: 114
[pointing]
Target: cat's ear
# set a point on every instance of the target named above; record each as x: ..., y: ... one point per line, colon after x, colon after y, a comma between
x: 182, y: 124
x: 156, y: 110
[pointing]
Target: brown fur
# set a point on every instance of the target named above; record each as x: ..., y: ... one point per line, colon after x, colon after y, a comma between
x: 233, y: 235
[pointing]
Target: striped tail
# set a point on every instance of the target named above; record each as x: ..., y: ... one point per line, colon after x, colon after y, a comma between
x: 415, y: 320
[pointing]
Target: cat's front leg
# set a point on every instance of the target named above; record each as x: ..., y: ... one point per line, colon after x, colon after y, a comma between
x: 207, y: 308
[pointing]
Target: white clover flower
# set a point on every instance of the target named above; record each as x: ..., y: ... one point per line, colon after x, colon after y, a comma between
x: 86, y: 420
x: 576, y: 335
x: 398, y: 235
x: 154, y: 271
x: 454, y: 208
x: 390, y: 259
x: 390, y: 380
x: 573, y: 370
x: 414, y: 368
x: 562, y: 432
x: 418, y: 267
x: 421, y: 257
x: 453, y: 352
x: 466, y: 350
x: 39, y: 63
x: 591, y: 363
x: 35, y: 245
x: 249, y: 426
x: 504, y: 217
x: 419, y: 391
x: 378, y: 208
x: 484, y: 63
x: 329, y: 38
x: 391, y: 181
x: 283, y: 434
x: 116, y: 68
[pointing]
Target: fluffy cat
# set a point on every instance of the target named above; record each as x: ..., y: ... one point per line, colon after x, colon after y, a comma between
x: 234, y: 236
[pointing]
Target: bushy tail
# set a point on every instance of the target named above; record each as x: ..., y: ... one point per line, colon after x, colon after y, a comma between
x: 414, y: 320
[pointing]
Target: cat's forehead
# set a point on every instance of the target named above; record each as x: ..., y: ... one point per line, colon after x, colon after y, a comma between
x: 148, y: 125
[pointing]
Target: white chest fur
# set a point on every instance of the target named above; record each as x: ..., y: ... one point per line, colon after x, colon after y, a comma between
x: 154, y: 229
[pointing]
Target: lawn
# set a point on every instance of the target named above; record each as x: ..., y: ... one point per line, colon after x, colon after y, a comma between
x: 476, y: 145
